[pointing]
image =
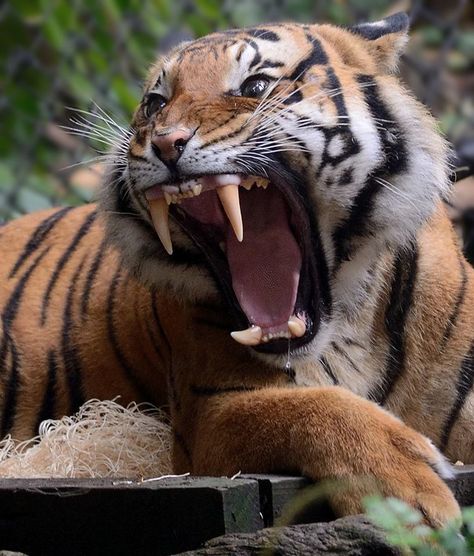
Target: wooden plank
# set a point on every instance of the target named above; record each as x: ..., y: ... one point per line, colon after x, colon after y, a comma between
x: 105, y: 516
x: 463, y: 484
x: 277, y: 491
x: 77, y: 517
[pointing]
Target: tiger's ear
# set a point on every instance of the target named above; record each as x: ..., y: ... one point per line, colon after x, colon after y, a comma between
x: 386, y: 39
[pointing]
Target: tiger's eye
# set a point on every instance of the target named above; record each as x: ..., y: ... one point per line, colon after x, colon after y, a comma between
x: 254, y: 86
x: 154, y: 104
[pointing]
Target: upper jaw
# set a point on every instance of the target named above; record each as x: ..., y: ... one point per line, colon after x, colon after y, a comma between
x: 303, y: 323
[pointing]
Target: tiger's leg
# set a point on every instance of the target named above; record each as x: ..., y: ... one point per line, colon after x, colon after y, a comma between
x: 324, y: 433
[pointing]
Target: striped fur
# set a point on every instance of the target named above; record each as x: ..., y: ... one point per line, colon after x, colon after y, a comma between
x: 93, y: 307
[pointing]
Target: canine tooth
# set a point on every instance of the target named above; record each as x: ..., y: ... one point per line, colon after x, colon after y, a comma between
x: 250, y: 337
x: 296, y: 326
x: 229, y: 197
x: 168, y: 198
x: 196, y: 189
x: 159, y: 214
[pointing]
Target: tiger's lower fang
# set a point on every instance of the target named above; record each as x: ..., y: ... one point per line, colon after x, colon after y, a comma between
x: 296, y: 326
x: 250, y: 337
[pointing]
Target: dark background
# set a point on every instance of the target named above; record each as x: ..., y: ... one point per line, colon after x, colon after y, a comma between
x: 75, y: 53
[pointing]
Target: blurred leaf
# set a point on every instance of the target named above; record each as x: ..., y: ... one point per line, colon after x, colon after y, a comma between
x: 209, y: 8
x: 55, y: 53
x: 432, y: 36
x: 54, y: 32
x: 127, y: 96
x: 30, y: 200
x: 465, y: 43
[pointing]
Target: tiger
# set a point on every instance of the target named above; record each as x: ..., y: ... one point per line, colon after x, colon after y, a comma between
x: 270, y: 260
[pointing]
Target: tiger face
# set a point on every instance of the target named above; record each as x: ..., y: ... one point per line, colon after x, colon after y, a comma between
x: 273, y: 166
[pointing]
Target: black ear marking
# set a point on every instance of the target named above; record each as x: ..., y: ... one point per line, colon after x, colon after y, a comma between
x: 396, y: 23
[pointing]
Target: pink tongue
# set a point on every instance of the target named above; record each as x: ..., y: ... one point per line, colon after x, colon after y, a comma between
x: 266, y: 266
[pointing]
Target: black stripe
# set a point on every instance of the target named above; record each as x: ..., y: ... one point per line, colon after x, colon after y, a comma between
x: 222, y: 138
x: 453, y: 317
x: 345, y: 355
x: 12, y: 305
x: 11, y: 392
x: 48, y: 405
x: 463, y: 387
x: 327, y: 368
x: 334, y: 86
x: 156, y: 318
x: 395, y: 160
x: 171, y: 383
x: 401, y: 299
x: 294, y: 97
x: 351, y: 146
x: 356, y: 223
x: 352, y: 342
x: 155, y: 333
x: 37, y: 237
x: 178, y: 438
x: 269, y: 64
x: 391, y: 136
x: 130, y: 372
x: 317, y: 56
x: 207, y: 391
x: 263, y: 34
x: 257, y: 57
x: 71, y: 248
x: 9, y: 346
x: 91, y: 275
x: 70, y: 352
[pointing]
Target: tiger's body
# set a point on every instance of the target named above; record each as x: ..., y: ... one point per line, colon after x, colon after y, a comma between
x: 92, y: 306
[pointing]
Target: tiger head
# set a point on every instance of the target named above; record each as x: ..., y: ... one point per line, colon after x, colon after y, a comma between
x: 272, y: 166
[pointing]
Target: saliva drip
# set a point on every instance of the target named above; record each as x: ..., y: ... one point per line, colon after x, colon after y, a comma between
x: 287, y: 368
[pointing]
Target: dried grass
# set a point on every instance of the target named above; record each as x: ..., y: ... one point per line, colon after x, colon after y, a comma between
x: 103, y: 439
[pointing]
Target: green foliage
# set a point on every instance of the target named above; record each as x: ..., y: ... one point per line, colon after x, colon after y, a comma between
x: 55, y: 54
x: 404, y: 528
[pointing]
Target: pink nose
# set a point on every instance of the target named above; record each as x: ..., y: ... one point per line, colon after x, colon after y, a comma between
x: 168, y: 147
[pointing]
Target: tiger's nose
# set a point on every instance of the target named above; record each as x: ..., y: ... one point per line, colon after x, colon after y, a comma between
x: 168, y: 147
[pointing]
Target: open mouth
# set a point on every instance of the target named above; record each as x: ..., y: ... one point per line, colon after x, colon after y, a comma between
x: 256, y: 235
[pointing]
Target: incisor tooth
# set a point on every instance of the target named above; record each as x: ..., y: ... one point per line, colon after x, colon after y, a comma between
x: 229, y: 196
x: 159, y: 214
x: 250, y: 337
x: 197, y: 189
x: 248, y: 183
x: 168, y: 198
x: 296, y: 326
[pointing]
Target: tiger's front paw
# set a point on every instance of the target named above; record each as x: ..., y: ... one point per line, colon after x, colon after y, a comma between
x: 384, y: 456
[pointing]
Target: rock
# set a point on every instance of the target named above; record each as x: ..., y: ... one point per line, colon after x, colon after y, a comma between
x: 354, y: 536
